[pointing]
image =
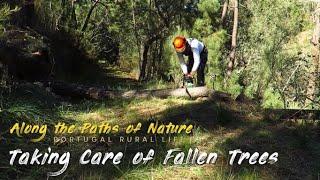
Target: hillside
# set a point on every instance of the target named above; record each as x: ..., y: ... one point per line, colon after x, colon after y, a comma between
x: 221, y: 124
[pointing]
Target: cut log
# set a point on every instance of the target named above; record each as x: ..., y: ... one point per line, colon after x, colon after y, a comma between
x: 78, y: 91
x: 164, y: 93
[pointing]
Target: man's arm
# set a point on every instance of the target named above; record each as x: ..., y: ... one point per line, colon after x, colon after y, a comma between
x: 196, y: 60
x: 182, y: 63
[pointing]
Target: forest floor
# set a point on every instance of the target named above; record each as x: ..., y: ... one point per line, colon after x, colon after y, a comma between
x: 221, y: 125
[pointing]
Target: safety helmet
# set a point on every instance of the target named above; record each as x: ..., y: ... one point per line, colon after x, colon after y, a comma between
x: 179, y: 43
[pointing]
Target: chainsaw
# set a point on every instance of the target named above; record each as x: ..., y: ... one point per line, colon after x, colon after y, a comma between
x: 188, y: 82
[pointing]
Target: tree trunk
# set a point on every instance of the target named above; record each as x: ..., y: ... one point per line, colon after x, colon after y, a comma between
x: 153, y: 67
x: 86, y: 21
x: 312, y: 84
x: 224, y: 12
x: 4, y: 75
x: 144, y: 49
x: 74, y: 21
x: 28, y: 13
x: 69, y: 17
x: 232, y: 55
x: 136, y: 35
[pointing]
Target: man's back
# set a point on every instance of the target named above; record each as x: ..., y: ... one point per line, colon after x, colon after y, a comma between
x: 195, y: 44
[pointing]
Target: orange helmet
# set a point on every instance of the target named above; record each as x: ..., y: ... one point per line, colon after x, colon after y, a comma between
x: 179, y: 43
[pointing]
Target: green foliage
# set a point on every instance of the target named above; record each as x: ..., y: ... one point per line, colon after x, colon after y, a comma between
x: 209, y: 7
x: 267, y: 27
x: 272, y: 99
x: 269, y: 45
x: 216, y: 65
x: 233, y: 86
x: 5, y: 12
x: 100, y: 40
x: 203, y: 28
x: 204, y: 24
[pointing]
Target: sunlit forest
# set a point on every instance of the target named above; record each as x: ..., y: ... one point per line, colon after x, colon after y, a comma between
x: 97, y: 61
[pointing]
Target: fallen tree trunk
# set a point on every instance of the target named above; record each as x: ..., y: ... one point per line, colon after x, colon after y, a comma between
x: 78, y: 91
